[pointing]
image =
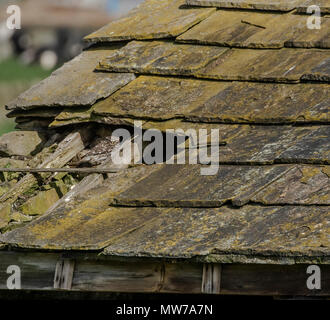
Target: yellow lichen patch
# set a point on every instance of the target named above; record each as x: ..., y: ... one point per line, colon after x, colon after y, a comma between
x: 308, y: 173
x: 40, y: 203
x: 284, y: 65
x: 291, y: 31
x: 4, y: 216
x: 164, y: 98
x: 304, y: 185
x: 153, y: 19
x: 19, y: 217
x: 231, y: 28
x: 161, y: 187
x: 97, y: 227
x: 256, y: 30
x: 160, y: 57
x: 158, y: 98
x: 186, y: 233
x: 76, y: 113
x: 326, y: 170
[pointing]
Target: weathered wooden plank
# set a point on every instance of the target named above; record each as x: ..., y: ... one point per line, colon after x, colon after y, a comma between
x: 94, y: 180
x: 211, y: 282
x: 271, y: 280
x: 64, y: 274
x: 37, y: 270
x: 182, y: 278
x: 117, y: 276
x: 64, y: 152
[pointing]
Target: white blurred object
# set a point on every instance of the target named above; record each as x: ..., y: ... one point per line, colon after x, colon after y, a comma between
x: 48, y: 59
x: 6, y: 48
x: 5, y: 33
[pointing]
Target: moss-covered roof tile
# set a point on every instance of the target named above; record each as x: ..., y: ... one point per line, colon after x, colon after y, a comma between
x: 284, y: 65
x: 184, y: 186
x: 256, y: 30
x: 160, y: 57
x: 260, y: 77
x: 153, y: 19
x: 74, y: 84
x: 252, y: 230
x: 305, y: 185
x: 163, y: 98
x: 277, y: 5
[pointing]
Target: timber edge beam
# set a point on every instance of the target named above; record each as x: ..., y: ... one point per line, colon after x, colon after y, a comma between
x: 50, y: 271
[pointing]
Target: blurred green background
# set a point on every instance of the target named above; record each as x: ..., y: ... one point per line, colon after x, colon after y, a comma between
x: 15, y: 77
x: 51, y: 34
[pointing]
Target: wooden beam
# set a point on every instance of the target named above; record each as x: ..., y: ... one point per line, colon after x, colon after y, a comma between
x: 95, y: 274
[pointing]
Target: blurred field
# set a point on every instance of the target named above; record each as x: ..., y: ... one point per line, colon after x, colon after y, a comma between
x: 14, y: 79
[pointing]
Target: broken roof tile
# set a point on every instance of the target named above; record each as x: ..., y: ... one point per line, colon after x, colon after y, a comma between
x: 256, y: 30
x: 160, y: 57
x: 21, y: 143
x: 304, y: 185
x: 228, y: 28
x: 75, y: 84
x: 277, y: 5
x: 292, y: 31
x: 184, y: 186
x: 57, y: 229
x: 252, y: 230
x: 153, y: 19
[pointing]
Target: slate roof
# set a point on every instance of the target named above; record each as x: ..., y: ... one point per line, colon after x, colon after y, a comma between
x: 259, y: 76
